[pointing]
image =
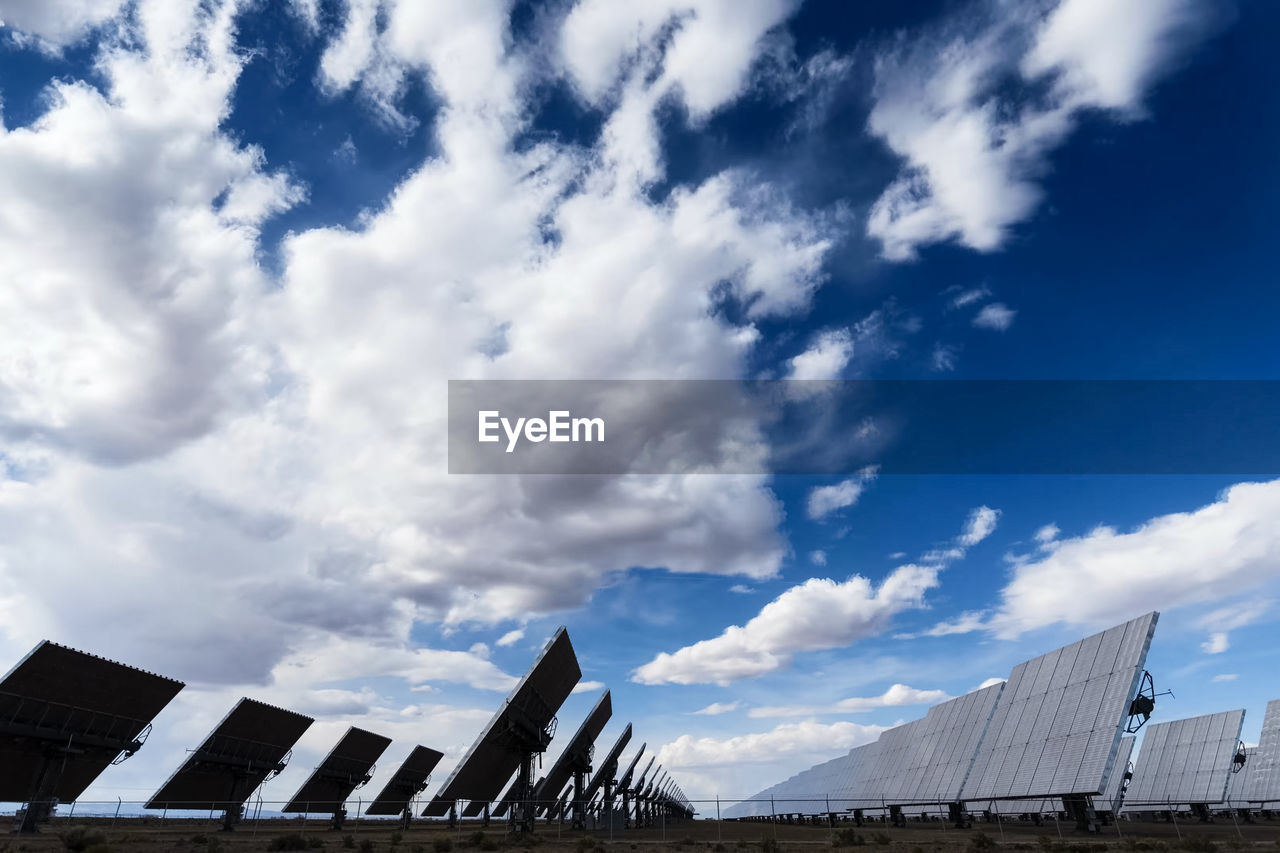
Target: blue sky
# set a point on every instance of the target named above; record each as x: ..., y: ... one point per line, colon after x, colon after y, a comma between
x: 244, y: 245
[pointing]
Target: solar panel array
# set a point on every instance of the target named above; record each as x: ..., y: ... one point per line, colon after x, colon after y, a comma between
x: 1052, y: 730
x: 1264, y: 766
x: 1057, y: 727
x: 490, y: 762
x: 345, y: 768
x: 562, y: 770
x: 1185, y: 761
x: 1112, y: 797
x: 928, y: 760
x: 406, y: 783
x: 89, y: 709
x: 66, y: 715
x: 246, y: 747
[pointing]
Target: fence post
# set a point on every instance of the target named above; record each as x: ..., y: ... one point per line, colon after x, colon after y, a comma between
x: 719, y: 828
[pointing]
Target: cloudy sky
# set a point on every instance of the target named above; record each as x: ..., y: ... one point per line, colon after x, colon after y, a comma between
x: 244, y: 245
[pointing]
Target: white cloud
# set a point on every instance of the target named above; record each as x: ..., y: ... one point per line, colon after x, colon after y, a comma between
x: 790, y: 739
x: 742, y: 589
x: 818, y: 614
x: 511, y: 637
x: 974, y: 142
x: 981, y: 524
x: 1226, y: 676
x: 825, y: 500
x: 897, y: 695
x: 997, y: 316
x: 1216, y: 644
x: 968, y: 297
x: 715, y: 709
x: 818, y: 558
x: 222, y: 457
x: 943, y: 358
x: 990, y: 682
x: 1223, y: 549
x: 1047, y: 534
x: 965, y: 623
x: 57, y: 23
x: 588, y: 686
x: 825, y: 358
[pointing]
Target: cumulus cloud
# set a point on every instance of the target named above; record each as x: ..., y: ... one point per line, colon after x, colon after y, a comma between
x: 976, y: 107
x: 897, y: 695
x: 825, y: 500
x: 588, y: 686
x: 819, y: 614
x: 741, y: 589
x: 825, y: 358
x: 1217, y: 643
x: 226, y: 458
x: 715, y: 709
x: 1047, y: 534
x: 818, y: 558
x: 808, y: 738
x: 996, y: 316
x: 57, y: 23
x: 511, y: 637
x: 981, y: 524
x: 1219, y: 550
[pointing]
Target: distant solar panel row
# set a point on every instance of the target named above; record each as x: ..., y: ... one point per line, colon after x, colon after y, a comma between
x: 1052, y: 730
x: 1185, y: 761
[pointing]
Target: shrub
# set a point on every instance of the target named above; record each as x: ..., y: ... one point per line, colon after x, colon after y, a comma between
x: 488, y: 843
x: 397, y: 837
x: 881, y: 838
x: 81, y: 839
x: 442, y: 845
x: 768, y: 845
x: 585, y: 843
x: 315, y: 843
x: 847, y: 838
x: 1198, y: 844
x: 292, y: 841
x: 981, y: 841
x: 366, y: 845
x: 349, y: 841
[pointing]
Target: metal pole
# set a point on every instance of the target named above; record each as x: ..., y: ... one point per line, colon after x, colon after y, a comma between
x: 719, y: 828
x: 119, y: 802
x: 1174, y: 817
x: 1055, y: 823
x: 1236, y: 822
x: 1000, y: 823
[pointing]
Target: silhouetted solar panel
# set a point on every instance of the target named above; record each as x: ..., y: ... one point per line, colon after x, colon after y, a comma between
x: 248, y: 746
x: 65, y: 716
x: 576, y: 751
x: 407, y: 783
x: 608, y: 768
x: 625, y: 779
x: 498, y: 752
x: 347, y: 766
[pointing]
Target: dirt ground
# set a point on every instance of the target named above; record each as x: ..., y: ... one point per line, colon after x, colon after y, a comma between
x: 148, y: 835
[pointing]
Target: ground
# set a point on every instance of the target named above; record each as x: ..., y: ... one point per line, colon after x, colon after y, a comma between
x: 153, y: 835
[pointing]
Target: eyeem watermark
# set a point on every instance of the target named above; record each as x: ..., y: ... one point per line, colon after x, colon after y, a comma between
x: 558, y: 426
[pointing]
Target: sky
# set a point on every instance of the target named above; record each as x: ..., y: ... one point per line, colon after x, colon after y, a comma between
x: 244, y: 246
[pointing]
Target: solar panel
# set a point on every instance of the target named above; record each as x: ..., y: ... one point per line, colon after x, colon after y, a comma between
x: 520, y: 725
x: 347, y: 766
x: 248, y: 746
x: 576, y: 757
x: 1185, y: 761
x: 1114, y: 795
x: 926, y: 761
x: 1264, y: 777
x: 606, y: 770
x: 406, y: 783
x: 65, y: 716
x: 1057, y: 726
